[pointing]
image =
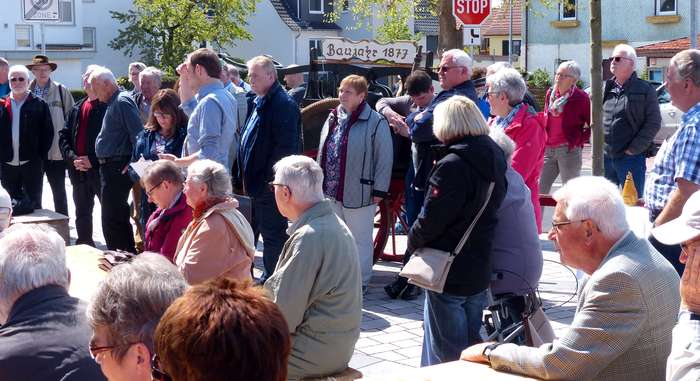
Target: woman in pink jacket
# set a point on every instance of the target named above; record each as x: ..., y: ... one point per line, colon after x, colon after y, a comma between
x: 521, y: 123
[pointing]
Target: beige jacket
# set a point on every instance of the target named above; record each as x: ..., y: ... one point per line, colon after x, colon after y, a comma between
x: 218, y: 243
x: 59, y: 107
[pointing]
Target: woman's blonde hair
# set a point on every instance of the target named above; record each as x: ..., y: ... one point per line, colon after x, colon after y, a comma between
x: 356, y: 82
x: 456, y: 118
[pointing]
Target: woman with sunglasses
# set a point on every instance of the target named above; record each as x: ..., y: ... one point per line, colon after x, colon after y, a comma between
x: 218, y: 241
x: 164, y: 132
x: 163, y: 184
x: 26, y: 134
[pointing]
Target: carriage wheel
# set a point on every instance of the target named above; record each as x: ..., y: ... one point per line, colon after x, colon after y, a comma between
x: 388, y: 212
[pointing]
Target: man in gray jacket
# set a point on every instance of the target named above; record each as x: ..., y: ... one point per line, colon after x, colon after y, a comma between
x: 316, y: 283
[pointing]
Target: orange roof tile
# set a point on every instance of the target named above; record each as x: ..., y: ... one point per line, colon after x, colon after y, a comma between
x: 497, y: 23
x: 664, y: 48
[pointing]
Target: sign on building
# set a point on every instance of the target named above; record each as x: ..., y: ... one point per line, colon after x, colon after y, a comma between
x: 341, y: 49
x: 40, y: 10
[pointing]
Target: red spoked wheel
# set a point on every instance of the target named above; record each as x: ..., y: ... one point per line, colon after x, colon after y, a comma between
x: 388, y: 212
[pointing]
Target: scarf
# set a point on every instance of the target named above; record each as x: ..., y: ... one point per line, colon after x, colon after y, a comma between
x: 504, y: 122
x: 557, y: 101
x: 202, y: 207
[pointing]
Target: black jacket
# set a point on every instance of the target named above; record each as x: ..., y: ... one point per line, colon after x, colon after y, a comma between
x: 46, y: 338
x: 35, y: 129
x: 631, y: 118
x: 456, y: 191
x: 68, y: 135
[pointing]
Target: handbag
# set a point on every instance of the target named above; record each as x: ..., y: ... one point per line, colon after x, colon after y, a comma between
x: 428, y: 267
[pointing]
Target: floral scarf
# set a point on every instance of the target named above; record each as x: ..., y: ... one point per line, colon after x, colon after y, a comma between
x: 557, y: 101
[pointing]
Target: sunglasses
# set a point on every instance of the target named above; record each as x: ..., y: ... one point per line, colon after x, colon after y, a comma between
x: 18, y: 79
x: 157, y: 373
x: 619, y: 58
x: 445, y: 68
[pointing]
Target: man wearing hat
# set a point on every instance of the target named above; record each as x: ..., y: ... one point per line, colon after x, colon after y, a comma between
x: 684, y: 360
x: 60, y: 103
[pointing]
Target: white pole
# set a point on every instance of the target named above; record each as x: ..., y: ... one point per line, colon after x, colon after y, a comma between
x: 43, y: 43
x: 693, y: 24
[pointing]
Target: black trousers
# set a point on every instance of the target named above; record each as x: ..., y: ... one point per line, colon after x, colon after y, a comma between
x: 672, y: 253
x: 86, y: 185
x: 268, y: 222
x: 114, y: 188
x: 56, y: 174
x: 22, y: 181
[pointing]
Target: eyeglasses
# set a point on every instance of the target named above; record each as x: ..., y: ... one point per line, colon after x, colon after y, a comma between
x: 272, y: 185
x: 619, y: 58
x: 149, y: 192
x: 490, y: 93
x: 159, y: 114
x: 556, y: 225
x: 561, y: 75
x: 156, y: 372
x: 18, y: 79
x: 95, y: 350
x: 445, y: 68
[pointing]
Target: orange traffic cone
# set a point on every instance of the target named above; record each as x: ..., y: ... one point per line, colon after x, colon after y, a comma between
x: 629, y: 191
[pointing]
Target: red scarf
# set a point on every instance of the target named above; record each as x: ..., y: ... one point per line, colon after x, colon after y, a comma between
x: 202, y: 207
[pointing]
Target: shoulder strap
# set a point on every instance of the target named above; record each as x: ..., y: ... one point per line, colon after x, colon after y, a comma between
x: 474, y: 221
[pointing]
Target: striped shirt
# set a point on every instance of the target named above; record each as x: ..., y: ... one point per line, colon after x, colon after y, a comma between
x: 678, y: 158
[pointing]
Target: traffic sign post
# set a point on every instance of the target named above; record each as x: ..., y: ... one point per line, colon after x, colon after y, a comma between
x: 40, y: 11
x: 471, y: 12
x: 471, y: 36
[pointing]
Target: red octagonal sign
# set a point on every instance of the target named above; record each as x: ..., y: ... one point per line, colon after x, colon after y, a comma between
x: 471, y: 12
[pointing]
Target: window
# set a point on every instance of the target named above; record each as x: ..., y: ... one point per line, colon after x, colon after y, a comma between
x: 431, y: 43
x: 656, y: 74
x: 346, y: 5
x: 516, y: 47
x: 315, y: 6
x: 65, y: 11
x: 317, y: 45
x: 567, y: 10
x: 89, y: 38
x: 666, y: 7
x: 23, y: 36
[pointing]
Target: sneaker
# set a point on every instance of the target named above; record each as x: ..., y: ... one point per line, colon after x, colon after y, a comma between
x: 396, y: 288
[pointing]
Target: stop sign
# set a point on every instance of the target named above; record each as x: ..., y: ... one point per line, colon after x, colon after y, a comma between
x: 471, y: 12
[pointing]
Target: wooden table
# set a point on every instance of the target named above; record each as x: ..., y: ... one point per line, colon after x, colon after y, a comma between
x: 82, y: 260
x: 450, y: 371
x: 44, y: 216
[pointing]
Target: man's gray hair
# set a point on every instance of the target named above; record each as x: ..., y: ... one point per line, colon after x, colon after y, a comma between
x: 103, y: 74
x: 31, y: 256
x: 494, y: 67
x: 18, y: 69
x: 460, y: 58
x: 138, y: 65
x: 302, y: 175
x: 265, y: 63
x: 510, y: 82
x: 233, y: 70
x: 152, y: 72
x: 572, y: 67
x: 505, y: 142
x: 130, y: 301
x: 89, y: 69
x: 4, y: 62
x: 213, y: 175
x: 597, y: 199
x: 628, y: 50
x: 687, y: 64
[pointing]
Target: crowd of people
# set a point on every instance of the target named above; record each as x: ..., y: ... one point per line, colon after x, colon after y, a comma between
x: 188, y: 307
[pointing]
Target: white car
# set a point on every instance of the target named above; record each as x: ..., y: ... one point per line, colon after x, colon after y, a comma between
x: 670, y: 115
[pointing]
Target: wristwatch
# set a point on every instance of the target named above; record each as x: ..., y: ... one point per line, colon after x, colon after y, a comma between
x: 488, y: 349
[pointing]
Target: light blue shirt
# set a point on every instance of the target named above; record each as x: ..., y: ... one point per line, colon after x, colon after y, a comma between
x: 211, y: 130
x: 16, y: 109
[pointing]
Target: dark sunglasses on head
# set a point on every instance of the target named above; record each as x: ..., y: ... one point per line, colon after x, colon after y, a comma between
x: 156, y: 372
x: 19, y: 79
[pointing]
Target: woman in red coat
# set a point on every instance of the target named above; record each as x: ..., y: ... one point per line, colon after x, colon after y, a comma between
x: 506, y: 89
x: 163, y: 184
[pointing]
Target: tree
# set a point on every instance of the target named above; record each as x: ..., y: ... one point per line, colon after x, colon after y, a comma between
x: 163, y: 31
x: 395, y: 17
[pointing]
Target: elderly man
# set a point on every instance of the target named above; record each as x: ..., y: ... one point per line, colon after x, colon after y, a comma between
x: 125, y: 311
x: 235, y: 77
x: 676, y: 174
x: 150, y: 80
x: 316, y: 283
x: 295, y: 85
x: 241, y: 100
x: 135, y: 68
x: 273, y: 131
x: 26, y: 133
x: 44, y: 334
x: 60, y: 102
x: 684, y: 361
x: 113, y: 147
x: 626, y: 308
x: 631, y: 119
x: 77, y: 142
x: 4, y: 82
x: 213, y: 111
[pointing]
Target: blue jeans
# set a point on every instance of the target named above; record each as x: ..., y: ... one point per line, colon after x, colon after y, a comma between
x: 450, y: 323
x: 616, y: 170
x: 413, y: 198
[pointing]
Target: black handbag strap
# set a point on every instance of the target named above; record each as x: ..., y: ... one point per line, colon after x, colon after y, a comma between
x: 474, y: 221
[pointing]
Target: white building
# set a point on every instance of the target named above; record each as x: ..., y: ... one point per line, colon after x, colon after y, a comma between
x: 79, y: 39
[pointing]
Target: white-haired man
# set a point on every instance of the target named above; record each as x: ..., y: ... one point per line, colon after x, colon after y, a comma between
x: 113, y: 147
x: 135, y: 68
x: 631, y: 119
x: 316, y: 283
x: 627, y: 306
x: 45, y: 332
x: 273, y: 131
x: 150, y: 80
x: 676, y: 173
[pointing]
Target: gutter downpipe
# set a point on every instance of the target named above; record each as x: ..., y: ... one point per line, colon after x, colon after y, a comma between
x: 527, y: 31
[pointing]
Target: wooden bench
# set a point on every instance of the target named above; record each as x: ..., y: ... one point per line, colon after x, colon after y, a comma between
x: 43, y: 216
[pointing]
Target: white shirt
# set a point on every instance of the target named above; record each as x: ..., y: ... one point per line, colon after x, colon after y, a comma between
x: 684, y: 362
x: 16, y: 109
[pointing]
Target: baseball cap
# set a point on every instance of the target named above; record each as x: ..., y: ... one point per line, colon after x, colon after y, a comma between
x: 684, y: 227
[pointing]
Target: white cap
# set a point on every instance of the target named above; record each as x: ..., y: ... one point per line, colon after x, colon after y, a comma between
x: 683, y: 228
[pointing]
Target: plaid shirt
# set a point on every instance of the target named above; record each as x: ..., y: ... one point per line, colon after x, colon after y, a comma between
x: 678, y: 157
x: 42, y: 92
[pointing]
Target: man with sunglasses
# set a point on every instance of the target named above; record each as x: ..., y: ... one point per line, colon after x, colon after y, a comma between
x: 627, y: 305
x: 631, y: 119
x: 676, y: 174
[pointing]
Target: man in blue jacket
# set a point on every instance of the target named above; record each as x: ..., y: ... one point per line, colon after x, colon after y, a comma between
x: 273, y: 131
